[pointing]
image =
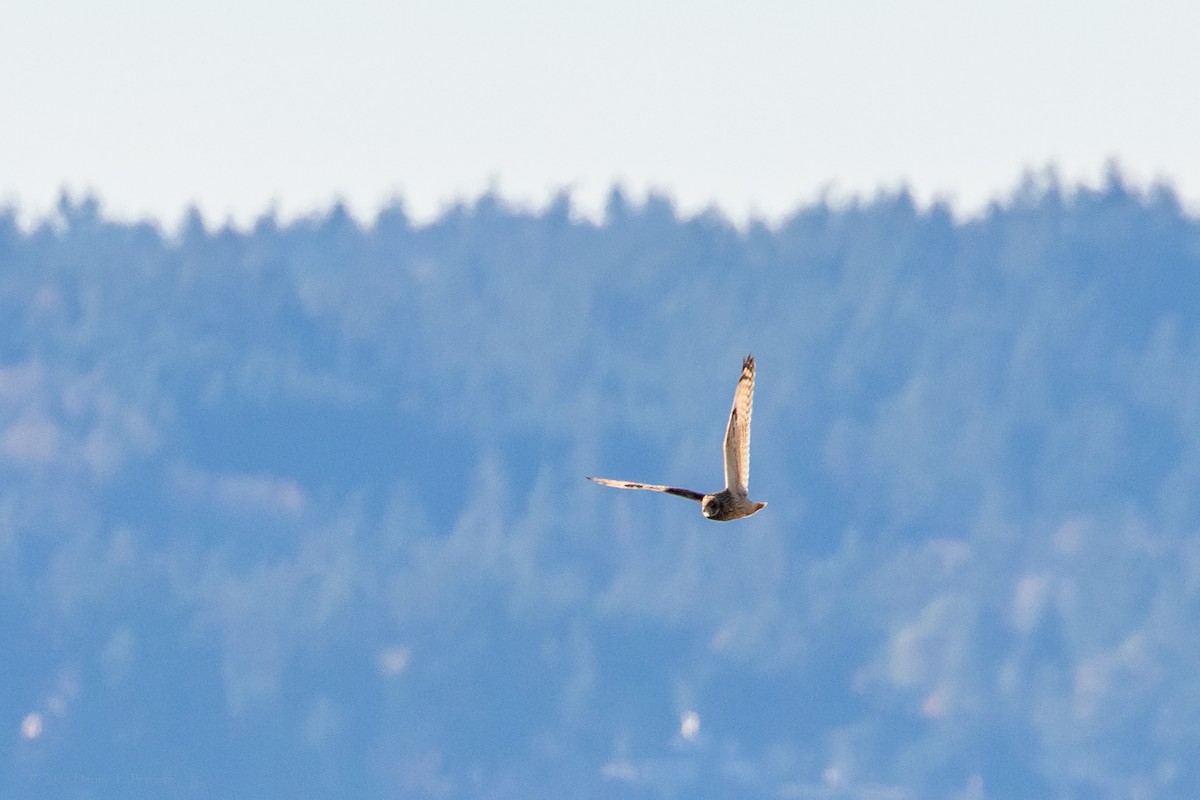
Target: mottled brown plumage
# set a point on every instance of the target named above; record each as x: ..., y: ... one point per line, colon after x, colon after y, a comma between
x: 732, y: 502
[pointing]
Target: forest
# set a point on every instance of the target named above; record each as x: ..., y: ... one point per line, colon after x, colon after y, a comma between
x: 299, y: 509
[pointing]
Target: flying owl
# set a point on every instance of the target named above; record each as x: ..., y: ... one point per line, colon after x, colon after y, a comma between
x: 732, y: 502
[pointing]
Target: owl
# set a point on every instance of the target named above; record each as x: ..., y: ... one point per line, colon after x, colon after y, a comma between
x: 732, y: 502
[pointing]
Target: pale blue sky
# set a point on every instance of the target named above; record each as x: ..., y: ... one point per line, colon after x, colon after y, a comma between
x: 239, y: 106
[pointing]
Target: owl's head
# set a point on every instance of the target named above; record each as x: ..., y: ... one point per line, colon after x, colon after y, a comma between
x: 710, y: 506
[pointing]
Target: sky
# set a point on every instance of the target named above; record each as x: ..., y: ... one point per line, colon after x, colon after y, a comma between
x: 245, y: 107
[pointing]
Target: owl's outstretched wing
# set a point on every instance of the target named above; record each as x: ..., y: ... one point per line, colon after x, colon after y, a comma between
x: 737, y: 433
x: 688, y: 493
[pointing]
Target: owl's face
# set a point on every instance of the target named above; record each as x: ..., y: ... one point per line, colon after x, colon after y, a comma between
x: 711, y: 506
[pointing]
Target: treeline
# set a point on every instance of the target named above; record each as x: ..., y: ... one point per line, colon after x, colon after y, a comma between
x: 326, y: 475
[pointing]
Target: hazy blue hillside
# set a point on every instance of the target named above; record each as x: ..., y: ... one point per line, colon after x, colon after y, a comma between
x: 299, y: 511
